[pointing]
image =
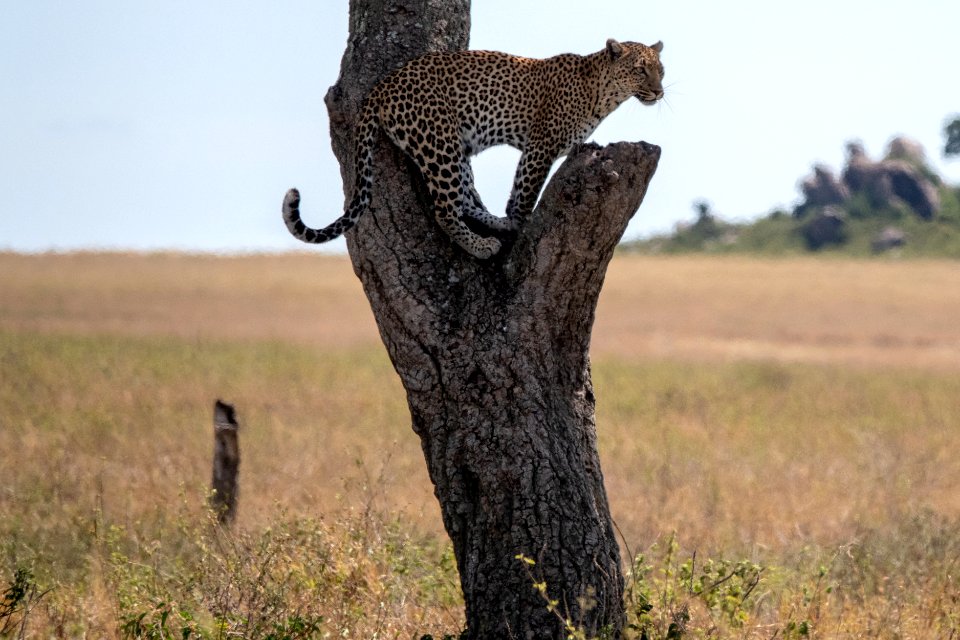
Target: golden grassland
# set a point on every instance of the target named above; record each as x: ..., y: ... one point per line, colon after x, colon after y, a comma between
x: 695, y: 308
x: 795, y: 414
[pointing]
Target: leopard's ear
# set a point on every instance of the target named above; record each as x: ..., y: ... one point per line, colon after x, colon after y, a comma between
x: 657, y: 46
x: 614, y: 49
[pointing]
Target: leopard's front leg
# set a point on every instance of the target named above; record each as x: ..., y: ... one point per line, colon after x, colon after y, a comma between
x: 531, y: 173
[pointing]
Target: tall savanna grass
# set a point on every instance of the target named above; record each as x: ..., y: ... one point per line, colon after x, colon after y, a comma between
x: 739, y: 448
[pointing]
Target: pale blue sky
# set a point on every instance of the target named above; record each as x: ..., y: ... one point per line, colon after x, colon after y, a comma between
x: 174, y: 124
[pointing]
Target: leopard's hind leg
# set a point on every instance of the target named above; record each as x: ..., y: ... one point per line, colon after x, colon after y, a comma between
x: 441, y: 162
x: 473, y: 206
x: 449, y: 207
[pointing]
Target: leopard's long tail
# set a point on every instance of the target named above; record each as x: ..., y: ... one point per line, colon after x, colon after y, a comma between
x: 363, y: 185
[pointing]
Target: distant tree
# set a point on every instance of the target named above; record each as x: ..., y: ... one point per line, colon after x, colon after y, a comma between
x: 702, y: 207
x: 951, y: 130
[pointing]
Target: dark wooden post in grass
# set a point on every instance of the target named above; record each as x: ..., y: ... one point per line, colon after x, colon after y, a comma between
x: 493, y: 354
x: 226, y: 462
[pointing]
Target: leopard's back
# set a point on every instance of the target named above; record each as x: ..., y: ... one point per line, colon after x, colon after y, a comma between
x: 487, y: 96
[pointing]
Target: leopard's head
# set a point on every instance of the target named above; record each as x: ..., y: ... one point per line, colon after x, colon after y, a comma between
x: 636, y: 69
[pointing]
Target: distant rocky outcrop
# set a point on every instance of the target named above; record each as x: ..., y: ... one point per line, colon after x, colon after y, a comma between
x: 900, y: 179
x: 822, y: 189
x: 827, y: 226
x: 889, y: 238
x: 897, y: 205
x: 895, y: 179
x: 903, y: 148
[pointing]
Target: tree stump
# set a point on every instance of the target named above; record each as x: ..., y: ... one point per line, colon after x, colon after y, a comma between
x: 226, y: 462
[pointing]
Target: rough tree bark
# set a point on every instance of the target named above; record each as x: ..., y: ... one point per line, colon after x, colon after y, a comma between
x: 493, y: 355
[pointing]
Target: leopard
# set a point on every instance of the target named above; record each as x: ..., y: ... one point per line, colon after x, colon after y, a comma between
x: 443, y: 108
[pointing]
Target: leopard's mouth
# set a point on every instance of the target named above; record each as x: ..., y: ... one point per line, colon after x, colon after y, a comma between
x: 649, y: 99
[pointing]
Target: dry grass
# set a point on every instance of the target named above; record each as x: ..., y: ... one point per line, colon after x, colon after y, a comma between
x: 862, y: 312
x: 694, y: 308
x: 793, y: 412
x: 293, y: 298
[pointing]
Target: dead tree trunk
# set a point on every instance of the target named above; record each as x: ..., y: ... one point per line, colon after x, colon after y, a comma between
x: 493, y: 354
x: 226, y: 462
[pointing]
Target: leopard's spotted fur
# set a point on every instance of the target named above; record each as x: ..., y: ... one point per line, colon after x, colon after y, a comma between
x: 443, y: 108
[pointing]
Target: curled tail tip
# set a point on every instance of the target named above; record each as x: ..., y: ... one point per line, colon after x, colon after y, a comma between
x: 292, y: 199
x: 291, y: 217
x: 291, y: 209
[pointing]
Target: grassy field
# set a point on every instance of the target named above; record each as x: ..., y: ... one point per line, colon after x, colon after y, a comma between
x: 790, y: 420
